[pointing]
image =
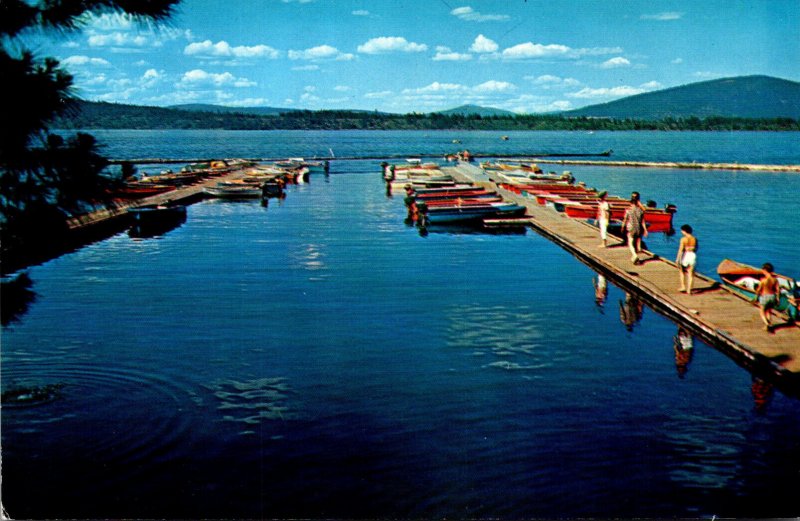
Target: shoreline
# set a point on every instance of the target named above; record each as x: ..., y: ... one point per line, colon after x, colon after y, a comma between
x: 672, y: 164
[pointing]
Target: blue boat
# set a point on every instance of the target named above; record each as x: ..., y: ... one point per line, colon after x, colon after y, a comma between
x: 452, y: 214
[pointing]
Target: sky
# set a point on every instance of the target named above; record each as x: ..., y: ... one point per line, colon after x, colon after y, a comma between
x: 527, y: 56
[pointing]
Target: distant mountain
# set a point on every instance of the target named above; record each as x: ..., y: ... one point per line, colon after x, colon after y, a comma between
x: 739, y: 97
x: 220, y: 109
x: 471, y: 110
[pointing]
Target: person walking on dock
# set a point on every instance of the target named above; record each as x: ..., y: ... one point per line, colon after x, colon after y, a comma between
x: 767, y: 294
x: 687, y: 259
x: 634, y: 226
x: 603, y: 216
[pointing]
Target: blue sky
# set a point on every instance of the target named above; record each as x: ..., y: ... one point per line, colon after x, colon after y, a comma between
x: 423, y: 55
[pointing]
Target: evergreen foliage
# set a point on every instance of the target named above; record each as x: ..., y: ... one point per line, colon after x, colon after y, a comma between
x: 45, y: 178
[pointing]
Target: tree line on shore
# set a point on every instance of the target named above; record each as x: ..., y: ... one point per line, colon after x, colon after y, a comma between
x: 112, y: 116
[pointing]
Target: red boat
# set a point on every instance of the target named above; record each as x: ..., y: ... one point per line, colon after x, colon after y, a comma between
x: 657, y: 220
x: 139, y: 192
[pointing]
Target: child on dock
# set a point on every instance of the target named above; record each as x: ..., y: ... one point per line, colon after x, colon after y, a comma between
x: 767, y: 294
x: 687, y: 259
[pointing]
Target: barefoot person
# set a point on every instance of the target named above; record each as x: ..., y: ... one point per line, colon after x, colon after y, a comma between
x: 603, y: 216
x: 633, y: 224
x: 687, y: 258
x: 767, y: 293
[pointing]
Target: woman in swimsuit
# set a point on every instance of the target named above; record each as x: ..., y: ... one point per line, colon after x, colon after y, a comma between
x: 687, y: 258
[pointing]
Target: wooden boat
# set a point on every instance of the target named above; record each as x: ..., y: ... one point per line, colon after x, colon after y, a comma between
x: 233, y: 192
x: 477, y: 212
x: 657, y: 220
x: 744, y: 280
x: 150, y: 213
x: 138, y: 191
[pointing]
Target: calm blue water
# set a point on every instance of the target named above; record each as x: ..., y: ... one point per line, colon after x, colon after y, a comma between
x: 318, y: 358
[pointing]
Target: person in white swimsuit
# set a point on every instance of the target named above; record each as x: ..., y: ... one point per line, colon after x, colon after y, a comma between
x: 687, y: 259
x: 603, y: 216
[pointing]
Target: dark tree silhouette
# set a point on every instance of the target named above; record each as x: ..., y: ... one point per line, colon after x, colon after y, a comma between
x: 44, y: 178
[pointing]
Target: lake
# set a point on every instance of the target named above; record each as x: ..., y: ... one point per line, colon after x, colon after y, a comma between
x: 318, y: 358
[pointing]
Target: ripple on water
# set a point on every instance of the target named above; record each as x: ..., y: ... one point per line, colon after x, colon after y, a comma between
x: 124, y: 426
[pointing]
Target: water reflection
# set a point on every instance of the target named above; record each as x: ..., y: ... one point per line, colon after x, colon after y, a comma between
x: 630, y: 311
x: 16, y: 296
x: 683, y: 344
x: 762, y: 393
x: 600, y: 291
x: 153, y: 228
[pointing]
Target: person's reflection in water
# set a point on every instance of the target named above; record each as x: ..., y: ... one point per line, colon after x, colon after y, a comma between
x: 683, y: 343
x: 630, y: 311
x: 600, y: 291
x: 762, y: 393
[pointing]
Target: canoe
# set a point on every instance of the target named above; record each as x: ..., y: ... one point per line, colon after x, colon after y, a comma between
x: 233, y: 192
x: 744, y: 280
x: 156, y: 212
x: 132, y: 191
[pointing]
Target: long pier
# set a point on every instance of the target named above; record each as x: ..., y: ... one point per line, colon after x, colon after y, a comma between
x: 713, y: 313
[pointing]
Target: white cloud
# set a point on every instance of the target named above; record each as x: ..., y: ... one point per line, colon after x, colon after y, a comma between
x: 320, y: 52
x: 549, y: 81
x: 446, y: 54
x: 297, y: 1
x: 483, y: 44
x: 616, y: 62
x: 652, y: 85
x: 107, y: 21
x: 81, y: 60
x: 707, y: 74
x: 249, y: 102
x: 223, y: 49
x: 494, y: 86
x: 200, y: 78
x: 342, y: 88
x: 530, y: 50
x: 436, y: 87
x: 386, y: 44
x: 677, y: 61
x: 306, y: 68
x: 470, y: 15
x: 360, y: 12
x: 122, y: 40
x: 535, y: 50
x: 606, y: 92
x: 663, y: 17
x: 378, y: 95
x: 70, y: 45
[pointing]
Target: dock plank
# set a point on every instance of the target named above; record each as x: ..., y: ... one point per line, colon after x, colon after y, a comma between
x: 714, y: 313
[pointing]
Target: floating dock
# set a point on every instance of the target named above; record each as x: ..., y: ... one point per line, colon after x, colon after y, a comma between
x: 713, y: 313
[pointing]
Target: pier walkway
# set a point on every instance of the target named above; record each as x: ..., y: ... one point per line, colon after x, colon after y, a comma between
x: 182, y: 195
x: 713, y: 313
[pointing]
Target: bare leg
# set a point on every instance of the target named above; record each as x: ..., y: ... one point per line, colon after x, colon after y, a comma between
x: 689, y: 277
x: 682, y: 287
x: 632, y: 247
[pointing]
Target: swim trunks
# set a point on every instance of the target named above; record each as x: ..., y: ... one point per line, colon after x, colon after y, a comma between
x: 768, y: 301
x: 689, y: 259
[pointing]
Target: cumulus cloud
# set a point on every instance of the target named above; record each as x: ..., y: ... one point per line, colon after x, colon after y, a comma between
x: 320, y: 52
x: 530, y: 50
x: 550, y: 81
x: 378, y: 95
x: 470, y: 15
x: 342, y: 88
x: 494, y: 86
x: 360, y: 12
x: 120, y: 40
x: 483, y: 44
x: 663, y: 17
x: 306, y: 68
x: 200, y: 78
x: 387, y: 44
x: 614, y: 63
x: 223, y: 49
x: 81, y: 60
x: 446, y: 54
x: 677, y: 61
x: 614, y: 92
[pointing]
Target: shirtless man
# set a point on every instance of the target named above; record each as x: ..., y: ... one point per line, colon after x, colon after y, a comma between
x: 768, y: 293
x: 687, y: 258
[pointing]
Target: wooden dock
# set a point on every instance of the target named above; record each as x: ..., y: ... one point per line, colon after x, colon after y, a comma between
x: 183, y: 195
x: 713, y: 313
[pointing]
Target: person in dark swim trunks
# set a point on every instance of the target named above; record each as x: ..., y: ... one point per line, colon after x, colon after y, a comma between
x: 767, y: 294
